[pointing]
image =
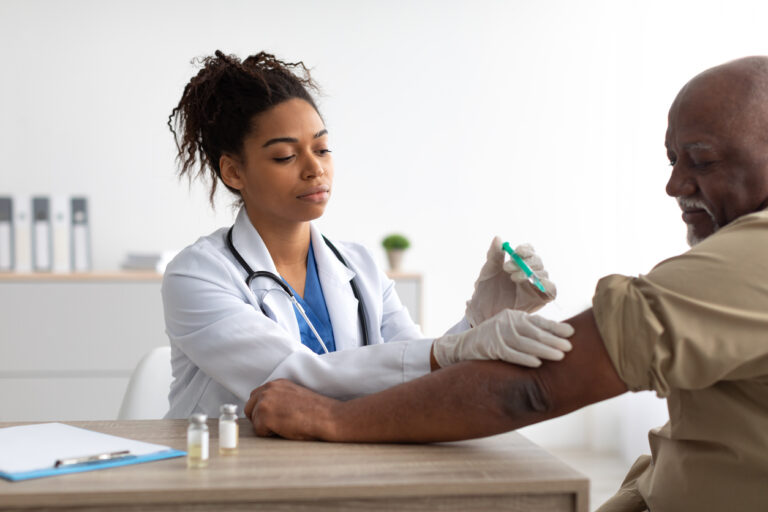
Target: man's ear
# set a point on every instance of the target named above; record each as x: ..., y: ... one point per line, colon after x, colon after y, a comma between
x: 231, y: 172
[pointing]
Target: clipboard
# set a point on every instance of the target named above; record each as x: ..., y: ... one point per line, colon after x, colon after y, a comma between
x: 49, y: 449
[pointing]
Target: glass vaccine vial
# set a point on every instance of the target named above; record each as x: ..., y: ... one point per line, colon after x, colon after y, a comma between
x: 229, y: 430
x: 197, y: 441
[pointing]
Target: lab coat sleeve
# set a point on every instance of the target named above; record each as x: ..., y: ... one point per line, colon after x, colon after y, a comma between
x: 397, y: 324
x: 346, y: 374
x: 210, y: 321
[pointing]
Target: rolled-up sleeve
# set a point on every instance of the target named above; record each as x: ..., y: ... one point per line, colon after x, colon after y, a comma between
x: 694, y: 320
x: 628, y: 328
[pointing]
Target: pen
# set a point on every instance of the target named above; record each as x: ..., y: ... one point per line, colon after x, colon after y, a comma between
x: 86, y: 459
x: 530, y: 274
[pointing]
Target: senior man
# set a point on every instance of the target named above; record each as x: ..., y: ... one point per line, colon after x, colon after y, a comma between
x: 695, y: 330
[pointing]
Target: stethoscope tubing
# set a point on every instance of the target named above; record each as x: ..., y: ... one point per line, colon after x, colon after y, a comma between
x: 251, y: 275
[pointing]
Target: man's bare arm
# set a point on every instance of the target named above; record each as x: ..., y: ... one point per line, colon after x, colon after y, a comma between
x: 463, y: 401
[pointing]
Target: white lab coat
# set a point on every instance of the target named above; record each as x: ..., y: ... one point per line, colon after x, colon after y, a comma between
x: 223, y: 346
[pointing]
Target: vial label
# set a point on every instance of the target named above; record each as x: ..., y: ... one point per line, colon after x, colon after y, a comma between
x: 197, y: 446
x: 228, y: 433
x: 204, y: 447
x: 194, y: 437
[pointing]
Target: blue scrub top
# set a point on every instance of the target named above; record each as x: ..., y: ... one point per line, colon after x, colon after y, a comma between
x: 314, y: 306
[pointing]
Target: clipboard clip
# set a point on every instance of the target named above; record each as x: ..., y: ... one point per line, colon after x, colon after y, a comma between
x: 89, y: 459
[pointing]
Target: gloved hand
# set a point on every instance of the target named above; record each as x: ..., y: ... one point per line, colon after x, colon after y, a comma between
x: 503, y: 285
x: 511, y: 336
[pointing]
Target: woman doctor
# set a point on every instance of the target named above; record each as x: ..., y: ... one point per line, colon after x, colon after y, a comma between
x: 229, y: 314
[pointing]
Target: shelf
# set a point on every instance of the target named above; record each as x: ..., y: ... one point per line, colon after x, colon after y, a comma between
x: 127, y: 275
x: 42, y: 277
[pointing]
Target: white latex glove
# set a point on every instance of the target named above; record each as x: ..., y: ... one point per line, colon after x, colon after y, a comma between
x: 502, y: 285
x: 511, y: 336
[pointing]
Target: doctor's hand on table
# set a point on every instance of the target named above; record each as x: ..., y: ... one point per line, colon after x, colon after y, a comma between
x: 503, y: 285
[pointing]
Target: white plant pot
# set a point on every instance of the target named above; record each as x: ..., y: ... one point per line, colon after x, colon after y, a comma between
x: 395, y: 257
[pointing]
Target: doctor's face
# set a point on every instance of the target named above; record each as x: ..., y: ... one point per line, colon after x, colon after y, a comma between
x: 285, y: 173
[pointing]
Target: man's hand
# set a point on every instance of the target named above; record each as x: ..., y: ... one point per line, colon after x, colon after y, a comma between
x: 504, y: 286
x: 466, y: 400
x: 282, y: 408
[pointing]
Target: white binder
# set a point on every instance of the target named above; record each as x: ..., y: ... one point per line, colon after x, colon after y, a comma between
x: 22, y: 230
x: 7, y: 251
x: 80, y: 235
x: 42, y: 236
x: 61, y: 221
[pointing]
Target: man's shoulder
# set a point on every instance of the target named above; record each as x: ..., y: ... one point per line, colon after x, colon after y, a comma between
x: 754, y: 220
x: 740, y: 241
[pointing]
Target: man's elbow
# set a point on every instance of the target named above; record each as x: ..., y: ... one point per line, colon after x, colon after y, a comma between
x: 526, y: 399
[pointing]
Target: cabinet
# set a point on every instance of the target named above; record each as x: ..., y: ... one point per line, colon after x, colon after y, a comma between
x: 68, y: 343
x: 409, y: 289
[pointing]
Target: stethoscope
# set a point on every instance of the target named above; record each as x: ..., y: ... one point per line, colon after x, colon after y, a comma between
x: 265, y: 273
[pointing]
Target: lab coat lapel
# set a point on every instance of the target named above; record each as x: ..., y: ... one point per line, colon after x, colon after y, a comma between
x: 339, y: 299
x: 251, y: 247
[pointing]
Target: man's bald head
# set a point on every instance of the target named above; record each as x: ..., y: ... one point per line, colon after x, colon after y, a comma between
x: 740, y: 87
x: 717, y: 143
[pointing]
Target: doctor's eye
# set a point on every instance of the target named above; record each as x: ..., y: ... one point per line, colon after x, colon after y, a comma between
x: 283, y: 159
x: 324, y: 151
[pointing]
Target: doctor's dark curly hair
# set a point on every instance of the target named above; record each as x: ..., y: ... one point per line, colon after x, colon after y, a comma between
x: 216, y: 110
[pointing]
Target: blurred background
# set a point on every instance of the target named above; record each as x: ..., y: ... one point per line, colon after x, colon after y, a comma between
x: 450, y: 122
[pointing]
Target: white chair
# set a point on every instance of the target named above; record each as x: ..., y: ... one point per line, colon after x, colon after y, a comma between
x: 146, y: 397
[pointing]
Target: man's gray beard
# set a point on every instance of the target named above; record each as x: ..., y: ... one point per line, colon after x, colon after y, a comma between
x: 691, y: 236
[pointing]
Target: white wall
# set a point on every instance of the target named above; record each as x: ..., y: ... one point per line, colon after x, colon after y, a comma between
x: 451, y: 121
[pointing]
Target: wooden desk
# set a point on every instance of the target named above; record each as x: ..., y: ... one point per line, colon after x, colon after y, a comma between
x: 505, y: 472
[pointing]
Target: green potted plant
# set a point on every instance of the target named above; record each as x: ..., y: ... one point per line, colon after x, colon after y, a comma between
x: 395, y: 245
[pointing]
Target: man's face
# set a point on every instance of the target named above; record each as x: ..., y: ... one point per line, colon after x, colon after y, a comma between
x: 716, y: 145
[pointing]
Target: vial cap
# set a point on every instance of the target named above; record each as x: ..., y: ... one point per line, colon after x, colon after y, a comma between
x: 228, y: 409
x: 198, y: 419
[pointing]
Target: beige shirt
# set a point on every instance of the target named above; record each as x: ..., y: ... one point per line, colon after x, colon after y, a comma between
x: 695, y: 330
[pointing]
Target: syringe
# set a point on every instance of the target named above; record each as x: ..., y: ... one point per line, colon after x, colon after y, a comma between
x: 530, y: 274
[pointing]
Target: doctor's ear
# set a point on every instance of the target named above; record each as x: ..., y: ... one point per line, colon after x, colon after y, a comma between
x: 231, y: 172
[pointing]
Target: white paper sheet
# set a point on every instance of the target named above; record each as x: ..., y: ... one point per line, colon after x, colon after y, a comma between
x: 39, y: 446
